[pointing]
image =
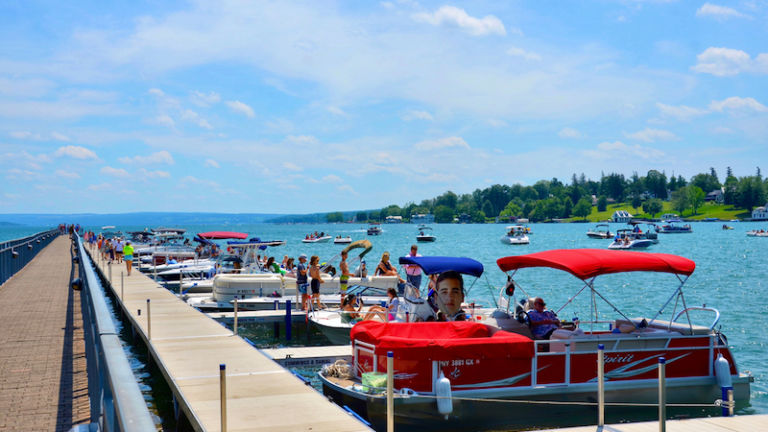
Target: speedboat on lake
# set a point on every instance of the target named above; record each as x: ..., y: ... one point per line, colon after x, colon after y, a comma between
x: 425, y: 235
x: 600, y: 231
x: 342, y: 240
x: 374, y: 229
x: 757, y: 233
x: 516, y: 235
x: 320, y: 239
x: 629, y: 239
x: 476, y: 376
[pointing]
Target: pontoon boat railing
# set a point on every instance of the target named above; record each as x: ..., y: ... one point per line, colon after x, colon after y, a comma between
x: 116, y: 401
x: 701, y: 308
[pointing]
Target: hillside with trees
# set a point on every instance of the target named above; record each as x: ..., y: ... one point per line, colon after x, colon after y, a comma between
x: 584, y: 199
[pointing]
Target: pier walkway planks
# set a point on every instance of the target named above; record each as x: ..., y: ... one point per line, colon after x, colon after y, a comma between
x: 43, y: 378
x: 188, y: 348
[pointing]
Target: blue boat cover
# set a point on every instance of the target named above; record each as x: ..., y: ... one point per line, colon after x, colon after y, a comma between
x: 439, y: 264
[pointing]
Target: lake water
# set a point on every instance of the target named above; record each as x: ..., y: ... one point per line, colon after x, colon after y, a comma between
x: 731, y: 273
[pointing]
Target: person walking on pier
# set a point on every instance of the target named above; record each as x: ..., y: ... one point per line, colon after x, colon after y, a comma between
x: 128, y: 256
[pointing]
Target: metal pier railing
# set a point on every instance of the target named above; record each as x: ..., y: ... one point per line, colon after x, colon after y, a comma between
x: 116, y: 401
x: 15, y: 254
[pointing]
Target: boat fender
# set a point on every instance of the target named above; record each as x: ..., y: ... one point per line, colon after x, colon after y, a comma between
x: 723, y: 372
x: 443, y: 391
x: 724, y: 380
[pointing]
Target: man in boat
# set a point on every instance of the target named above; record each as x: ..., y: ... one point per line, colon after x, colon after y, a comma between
x: 543, y: 322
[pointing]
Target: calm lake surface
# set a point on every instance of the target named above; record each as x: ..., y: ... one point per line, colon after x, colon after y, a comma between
x: 731, y: 273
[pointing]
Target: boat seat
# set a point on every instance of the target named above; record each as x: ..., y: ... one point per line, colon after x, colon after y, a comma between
x: 679, y: 327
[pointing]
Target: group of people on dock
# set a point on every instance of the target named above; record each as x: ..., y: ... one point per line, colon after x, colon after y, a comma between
x: 111, y: 249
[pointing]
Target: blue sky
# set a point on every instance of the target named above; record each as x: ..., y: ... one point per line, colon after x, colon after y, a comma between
x: 300, y: 107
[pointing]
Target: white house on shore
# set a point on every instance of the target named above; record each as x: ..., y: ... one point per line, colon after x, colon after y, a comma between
x: 621, y: 216
x: 760, y: 213
x: 422, y: 218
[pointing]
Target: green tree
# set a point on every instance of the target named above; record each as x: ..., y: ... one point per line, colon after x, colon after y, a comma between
x: 681, y: 200
x: 706, y: 182
x: 636, y: 201
x: 477, y: 216
x: 614, y: 186
x: 443, y: 214
x: 583, y: 208
x: 567, y: 207
x: 487, y: 207
x: 374, y: 215
x: 730, y: 188
x: 334, y: 217
x: 361, y: 216
x: 656, y: 184
x: 513, y: 209
x: 653, y: 207
x: 750, y: 192
x: 448, y: 199
x: 695, y: 197
x: 602, y: 203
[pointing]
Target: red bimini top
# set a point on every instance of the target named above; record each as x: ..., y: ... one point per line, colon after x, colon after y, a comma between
x: 220, y: 235
x: 442, y: 340
x: 588, y: 263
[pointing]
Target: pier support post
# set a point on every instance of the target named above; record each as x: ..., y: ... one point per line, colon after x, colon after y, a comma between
x: 149, y: 322
x: 390, y: 393
x: 662, y: 395
x: 600, y: 385
x: 234, y: 326
x: 223, y: 395
x: 287, y: 320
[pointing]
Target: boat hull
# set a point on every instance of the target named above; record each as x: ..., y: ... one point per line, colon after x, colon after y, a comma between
x: 420, y: 413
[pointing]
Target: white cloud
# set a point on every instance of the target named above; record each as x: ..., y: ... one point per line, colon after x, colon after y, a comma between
x: 347, y: 188
x: 417, y: 115
x: 719, y: 12
x: 241, y: 108
x: 496, y: 123
x: 210, y: 163
x: 681, y: 112
x: 147, y: 174
x: 652, y: 135
x: 76, y: 152
x: 737, y: 104
x: 727, y: 62
x: 20, y: 174
x: 204, y: 100
x: 332, y: 178
x: 570, y: 133
x: 66, y: 174
x: 442, y: 143
x: 195, y: 118
x: 161, y: 157
x: 164, y: 120
x: 455, y: 17
x: 114, y: 172
x: 527, y: 55
x: 190, y: 181
x: 617, y: 149
x: 60, y: 137
x: 290, y: 166
x: 101, y: 187
x: 440, y: 178
x: 336, y: 111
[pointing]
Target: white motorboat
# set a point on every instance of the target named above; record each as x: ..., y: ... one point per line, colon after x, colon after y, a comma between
x: 757, y: 233
x: 675, y: 226
x: 425, y: 235
x: 516, y: 235
x: 629, y: 239
x: 374, y: 229
x: 342, y: 240
x: 320, y: 239
x: 600, y: 231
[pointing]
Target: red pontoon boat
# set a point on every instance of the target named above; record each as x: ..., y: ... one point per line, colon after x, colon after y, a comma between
x: 498, y: 379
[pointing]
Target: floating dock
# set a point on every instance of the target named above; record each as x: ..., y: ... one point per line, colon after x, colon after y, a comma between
x: 189, y: 347
x: 709, y: 424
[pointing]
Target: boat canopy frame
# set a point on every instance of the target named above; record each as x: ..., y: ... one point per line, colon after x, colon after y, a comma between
x: 587, y: 264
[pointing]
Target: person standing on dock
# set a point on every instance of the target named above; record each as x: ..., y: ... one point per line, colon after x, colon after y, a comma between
x: 301, y: 281
x: 128, y: 256
x: 412, y: 271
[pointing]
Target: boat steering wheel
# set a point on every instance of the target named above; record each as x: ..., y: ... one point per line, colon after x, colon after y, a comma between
x: 522, y: 317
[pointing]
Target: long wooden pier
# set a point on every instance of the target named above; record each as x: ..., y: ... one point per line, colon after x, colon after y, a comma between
x: 188, y: 348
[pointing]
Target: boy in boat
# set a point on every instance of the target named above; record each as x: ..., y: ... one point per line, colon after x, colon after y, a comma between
x: 449, y: 295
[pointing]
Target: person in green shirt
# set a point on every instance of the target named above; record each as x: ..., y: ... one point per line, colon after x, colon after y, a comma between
x: 128, y: 256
